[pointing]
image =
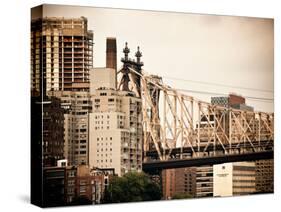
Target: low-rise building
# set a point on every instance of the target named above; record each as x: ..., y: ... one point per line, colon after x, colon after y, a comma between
x: 194, y: 181
x: 204, y: 181
x: 232, y: 179
x: 54, y: 186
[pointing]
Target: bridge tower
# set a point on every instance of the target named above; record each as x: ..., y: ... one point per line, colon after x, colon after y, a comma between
x: 131, y: 81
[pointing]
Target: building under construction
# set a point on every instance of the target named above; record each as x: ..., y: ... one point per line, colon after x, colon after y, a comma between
x: 62, y: 52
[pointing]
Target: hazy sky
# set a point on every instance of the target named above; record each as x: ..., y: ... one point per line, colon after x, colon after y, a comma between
x: 228, y: 50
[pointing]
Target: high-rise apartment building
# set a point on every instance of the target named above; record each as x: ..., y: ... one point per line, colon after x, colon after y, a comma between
x: 76, y: 106
x: 115, y: 126
x: 47, y: 131
x: 52, y: 130
x: 61, y: 54
x: 231, y: 179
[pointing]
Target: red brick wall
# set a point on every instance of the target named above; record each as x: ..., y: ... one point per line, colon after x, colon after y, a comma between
x: 234, y: 99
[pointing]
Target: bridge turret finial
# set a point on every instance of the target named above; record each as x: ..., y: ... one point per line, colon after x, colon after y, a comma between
x: 126, y: 51
x: 138, y: 55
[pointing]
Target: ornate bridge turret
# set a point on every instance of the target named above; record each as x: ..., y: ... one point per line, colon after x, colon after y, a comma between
x: 130, y: 81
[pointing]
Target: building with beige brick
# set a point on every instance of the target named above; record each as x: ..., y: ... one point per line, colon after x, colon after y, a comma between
x: 115, y: 125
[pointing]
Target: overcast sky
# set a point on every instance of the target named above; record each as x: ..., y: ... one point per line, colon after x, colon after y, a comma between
x: 236, y: 51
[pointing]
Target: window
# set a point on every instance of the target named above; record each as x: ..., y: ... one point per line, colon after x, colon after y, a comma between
x: 111, y: 100
x: 82, y: 182
x: 82, y: 189
x: 71, y: 174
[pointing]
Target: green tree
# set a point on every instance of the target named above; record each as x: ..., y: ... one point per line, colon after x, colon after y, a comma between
x: 132, y: 187
x: 182, y: 196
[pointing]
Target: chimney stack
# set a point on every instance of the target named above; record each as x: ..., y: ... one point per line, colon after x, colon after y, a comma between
x: 111, y: 61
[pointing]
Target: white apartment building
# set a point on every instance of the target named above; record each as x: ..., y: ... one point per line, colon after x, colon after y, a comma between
x: 232, y: 179
x: 115, y: 125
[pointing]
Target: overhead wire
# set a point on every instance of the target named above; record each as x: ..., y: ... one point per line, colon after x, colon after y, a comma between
x: 219, y: 84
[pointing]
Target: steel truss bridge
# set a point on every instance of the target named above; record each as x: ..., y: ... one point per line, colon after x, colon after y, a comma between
x: 180, y: 130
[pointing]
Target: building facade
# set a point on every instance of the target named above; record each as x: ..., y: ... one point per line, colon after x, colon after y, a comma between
x: 233, y: 101
x: 204, y: 181
x: 69, y: 185
x: 168, y: 183
x: 54, y: 186
x: 232, y: 179
x: 194, y: 181
x: 61, y: 54
x: 76, y: 106
x: 115, y: 126
x: 265, y: 176
x: 53, y: 131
